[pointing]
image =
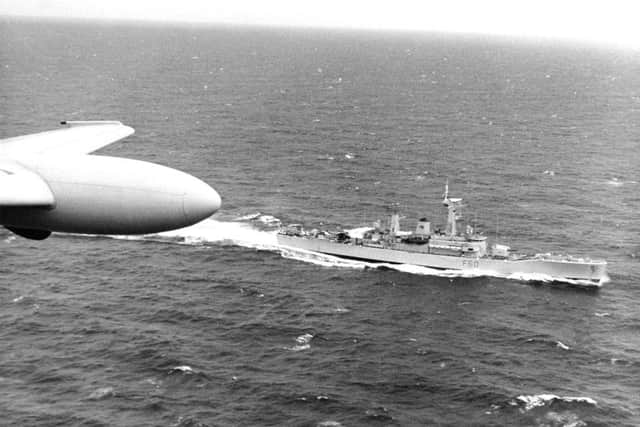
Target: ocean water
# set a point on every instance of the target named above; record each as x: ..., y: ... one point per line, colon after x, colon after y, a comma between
x: 216, y: 325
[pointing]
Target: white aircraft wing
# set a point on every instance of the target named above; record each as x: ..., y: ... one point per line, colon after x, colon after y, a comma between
x: 21, y: 187
x: 76, y: 137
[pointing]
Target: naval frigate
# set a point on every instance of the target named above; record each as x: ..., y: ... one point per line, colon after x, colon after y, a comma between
x: 450, y: 249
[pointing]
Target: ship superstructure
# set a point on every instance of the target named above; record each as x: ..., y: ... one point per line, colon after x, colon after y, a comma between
x: 448, y: 249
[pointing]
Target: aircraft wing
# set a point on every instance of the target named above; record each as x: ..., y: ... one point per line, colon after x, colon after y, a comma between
x: 76, y: 137
x: 21, y: 187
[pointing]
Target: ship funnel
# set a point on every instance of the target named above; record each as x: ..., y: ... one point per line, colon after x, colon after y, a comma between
x: 423, y: 228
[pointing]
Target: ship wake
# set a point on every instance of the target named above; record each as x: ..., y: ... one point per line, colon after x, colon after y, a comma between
x: 257, y: 231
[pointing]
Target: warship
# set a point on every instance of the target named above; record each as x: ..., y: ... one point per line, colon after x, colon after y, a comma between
x: 449, y: 249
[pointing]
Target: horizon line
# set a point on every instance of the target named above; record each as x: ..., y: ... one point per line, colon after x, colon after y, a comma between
x: 547, y: 40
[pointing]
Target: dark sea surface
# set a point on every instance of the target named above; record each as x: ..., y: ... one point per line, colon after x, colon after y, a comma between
x: 215, y: 325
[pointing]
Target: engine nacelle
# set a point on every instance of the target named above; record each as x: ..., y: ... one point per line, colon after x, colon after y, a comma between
x: 110, y: 195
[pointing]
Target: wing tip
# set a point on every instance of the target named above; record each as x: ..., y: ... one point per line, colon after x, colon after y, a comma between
x: 71, y: 123
x: 127, y: 130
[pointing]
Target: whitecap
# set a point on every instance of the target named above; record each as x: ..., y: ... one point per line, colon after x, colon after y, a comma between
x: 329, y: 424
x: 18, y: 299
x: 537, y: 400
x: 616, y: 182
x: 349, y: 156
x: 561, y: 345
x: 102, y: 393
x: 268, y: 219
x: 183, y: 368
x: 604, y: 314
x: 302, y: 343
x: 298, y: 347
x: 249, y: 217
x: 304, y: 339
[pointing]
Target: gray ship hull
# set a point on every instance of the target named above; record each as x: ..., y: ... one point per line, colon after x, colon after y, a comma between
x: 593, y: 271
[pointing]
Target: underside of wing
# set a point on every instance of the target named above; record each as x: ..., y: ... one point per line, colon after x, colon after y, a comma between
x: 20, y: 187
x: 76, y: 137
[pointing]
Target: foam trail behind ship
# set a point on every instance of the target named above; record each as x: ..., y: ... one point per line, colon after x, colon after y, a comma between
x: 257, y: 231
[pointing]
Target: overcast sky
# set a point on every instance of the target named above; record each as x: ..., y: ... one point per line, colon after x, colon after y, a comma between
x: 604, y: 21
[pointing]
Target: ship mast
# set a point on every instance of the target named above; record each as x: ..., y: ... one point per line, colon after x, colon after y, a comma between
x: 452, y: 205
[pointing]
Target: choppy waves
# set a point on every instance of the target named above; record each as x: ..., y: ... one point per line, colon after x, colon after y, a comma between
x: 218, y: 325
x: 547, y: 409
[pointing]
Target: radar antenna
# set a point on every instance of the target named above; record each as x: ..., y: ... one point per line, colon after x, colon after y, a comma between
x: 446, y: 192
x: 452, y: 206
